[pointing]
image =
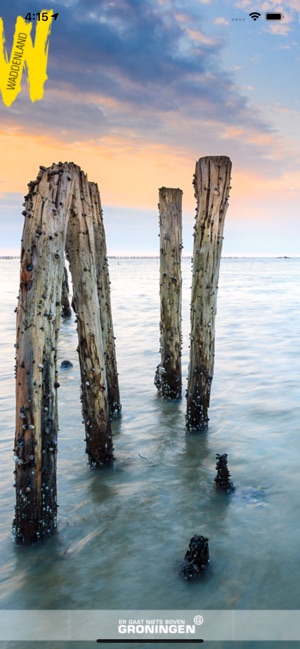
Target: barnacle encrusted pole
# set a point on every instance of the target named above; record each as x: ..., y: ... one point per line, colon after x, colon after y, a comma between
x: 80, y: 250
x: 168, y: 373
x: 211, y: 184
x: 103, y: 283
x: 57, y: 214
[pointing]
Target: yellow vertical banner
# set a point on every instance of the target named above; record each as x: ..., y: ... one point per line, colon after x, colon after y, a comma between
x: 34, y: 56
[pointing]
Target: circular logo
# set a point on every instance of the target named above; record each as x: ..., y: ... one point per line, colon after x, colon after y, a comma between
x: 198, y: 619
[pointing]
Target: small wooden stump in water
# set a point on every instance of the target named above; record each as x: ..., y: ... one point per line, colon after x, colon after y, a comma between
x: 168, y: 379
x: 222, y: 478
x: 212, y: 184
x: 196, y: 558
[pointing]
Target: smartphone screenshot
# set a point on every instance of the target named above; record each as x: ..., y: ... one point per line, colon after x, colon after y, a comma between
x: 150, y: 355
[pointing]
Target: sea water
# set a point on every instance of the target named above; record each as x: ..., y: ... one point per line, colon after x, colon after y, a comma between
x: 123, y: 533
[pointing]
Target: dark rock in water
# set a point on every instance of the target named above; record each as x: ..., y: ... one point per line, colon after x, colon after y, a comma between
x: 196, y: 558
x: 65, y: 365
x: 223, y: 474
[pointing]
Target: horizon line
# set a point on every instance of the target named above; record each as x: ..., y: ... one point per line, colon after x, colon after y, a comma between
x: 236, y: 256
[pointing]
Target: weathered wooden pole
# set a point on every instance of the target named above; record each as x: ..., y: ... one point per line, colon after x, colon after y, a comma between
x: 54, y: 211
x: 66, y: 308
x: 38, y: 319
x: 80, y: 249
x: 168, y: 373
x: 103, y: 284
x: 211, y: 184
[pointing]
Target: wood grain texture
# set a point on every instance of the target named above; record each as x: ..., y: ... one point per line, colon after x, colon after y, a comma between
x: 80, y: 250
x: 212, y: 185
x: 57, y: 214
x: 103, y: 285
x: 168, y: 378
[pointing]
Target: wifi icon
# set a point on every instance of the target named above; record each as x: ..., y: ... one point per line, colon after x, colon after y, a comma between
x: 254, y: 15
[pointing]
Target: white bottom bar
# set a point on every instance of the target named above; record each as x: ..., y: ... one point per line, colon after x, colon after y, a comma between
x: 146, y: 625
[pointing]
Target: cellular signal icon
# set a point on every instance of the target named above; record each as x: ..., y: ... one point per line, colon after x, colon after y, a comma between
x: 254, y: 15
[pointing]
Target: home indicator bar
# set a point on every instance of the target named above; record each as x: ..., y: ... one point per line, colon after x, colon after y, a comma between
x: 270, y: 16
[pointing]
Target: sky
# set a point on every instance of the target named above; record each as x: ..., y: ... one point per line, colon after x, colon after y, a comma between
x: 137, y: 91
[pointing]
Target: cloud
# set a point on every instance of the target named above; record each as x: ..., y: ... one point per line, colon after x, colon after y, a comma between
x: 200, y: 37
x: 145, y: 56
x: 280, y: 29
x: 129, y: 82
x: 221, y: 21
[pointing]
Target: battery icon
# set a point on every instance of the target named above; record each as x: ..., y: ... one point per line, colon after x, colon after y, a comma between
x: 274, y: 16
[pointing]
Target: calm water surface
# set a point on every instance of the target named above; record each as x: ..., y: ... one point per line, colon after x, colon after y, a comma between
x: 122, y: 533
